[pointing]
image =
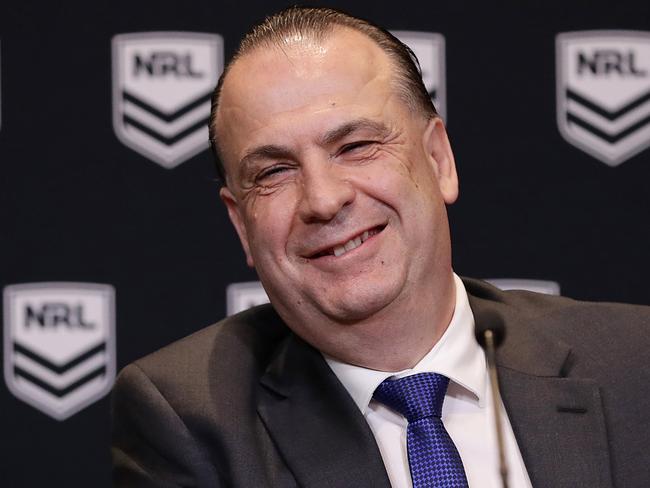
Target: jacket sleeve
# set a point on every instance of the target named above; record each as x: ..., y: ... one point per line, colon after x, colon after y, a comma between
x: 152, y: 446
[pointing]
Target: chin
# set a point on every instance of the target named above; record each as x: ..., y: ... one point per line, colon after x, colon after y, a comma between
x: 358, y: 304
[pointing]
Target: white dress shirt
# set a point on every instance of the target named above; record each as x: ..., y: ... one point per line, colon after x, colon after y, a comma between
x: 467, y: 411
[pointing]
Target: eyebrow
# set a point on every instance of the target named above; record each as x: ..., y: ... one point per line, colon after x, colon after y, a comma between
x: 272, y: 151
x: 351, y: 127
x: 267, y: 151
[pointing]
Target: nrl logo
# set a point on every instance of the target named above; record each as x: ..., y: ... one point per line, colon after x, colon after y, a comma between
x: 162, y: 85
x: 59, y: 345
x: 603, y: 92
x: 429, y: 48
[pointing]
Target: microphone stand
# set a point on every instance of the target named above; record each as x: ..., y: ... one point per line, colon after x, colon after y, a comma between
x: 490, y: 332
x: 496, y: 404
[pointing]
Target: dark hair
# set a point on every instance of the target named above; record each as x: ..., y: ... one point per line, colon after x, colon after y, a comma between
x: 318, y: 23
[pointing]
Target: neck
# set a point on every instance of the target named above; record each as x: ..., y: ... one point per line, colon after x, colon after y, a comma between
x: 397, y: 337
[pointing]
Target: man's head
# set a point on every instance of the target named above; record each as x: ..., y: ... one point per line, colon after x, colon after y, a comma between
x: 337, y: 185
x: 317, y: 24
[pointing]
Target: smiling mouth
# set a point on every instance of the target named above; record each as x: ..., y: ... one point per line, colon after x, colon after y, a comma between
x: 341, y: 249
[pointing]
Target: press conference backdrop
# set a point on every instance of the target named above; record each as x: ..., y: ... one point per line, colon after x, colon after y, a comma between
x: 114, y: 241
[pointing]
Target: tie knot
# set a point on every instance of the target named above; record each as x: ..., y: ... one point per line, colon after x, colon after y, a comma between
x: 415, y: 397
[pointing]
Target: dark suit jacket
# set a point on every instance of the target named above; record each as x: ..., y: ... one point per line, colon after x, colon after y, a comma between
x: 246, y: 403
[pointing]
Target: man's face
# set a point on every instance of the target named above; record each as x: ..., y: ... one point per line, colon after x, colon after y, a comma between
x: 337, y: 188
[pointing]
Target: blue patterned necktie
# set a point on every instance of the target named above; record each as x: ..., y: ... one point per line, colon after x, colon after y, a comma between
x: 433, y: 458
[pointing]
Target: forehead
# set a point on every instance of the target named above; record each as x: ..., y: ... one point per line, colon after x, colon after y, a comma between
x: 303, y: 78
x: 343, y: 56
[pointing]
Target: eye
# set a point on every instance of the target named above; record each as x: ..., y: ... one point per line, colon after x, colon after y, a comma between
x: 355, y: 146
x: 267, y: 173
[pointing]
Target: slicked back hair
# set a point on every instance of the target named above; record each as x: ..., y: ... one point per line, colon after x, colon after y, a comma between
x: 317, y: 24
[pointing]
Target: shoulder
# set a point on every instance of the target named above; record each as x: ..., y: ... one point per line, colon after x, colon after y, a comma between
x: 233, y: 351
x: 180, y: 412
x: 600, y: 331
x: 246, y: 336
x: 534, y: 306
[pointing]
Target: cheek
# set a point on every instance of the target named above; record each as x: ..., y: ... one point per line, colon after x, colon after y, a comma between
x: 409, y: 190
x: 389, y: 181
x: 418, y: 177
x: 269, y: 223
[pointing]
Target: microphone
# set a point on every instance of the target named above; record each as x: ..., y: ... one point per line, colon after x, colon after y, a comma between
x: 490, y: 332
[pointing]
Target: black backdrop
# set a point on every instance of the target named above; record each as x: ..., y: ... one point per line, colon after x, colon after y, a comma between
x: 79, y: 206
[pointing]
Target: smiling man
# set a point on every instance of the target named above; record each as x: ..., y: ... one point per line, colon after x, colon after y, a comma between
x: 337, y: 174
x: 338, y: 193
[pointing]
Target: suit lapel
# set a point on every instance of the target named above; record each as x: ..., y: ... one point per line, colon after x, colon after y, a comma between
x: 558, y: 421
x: 320, y: 432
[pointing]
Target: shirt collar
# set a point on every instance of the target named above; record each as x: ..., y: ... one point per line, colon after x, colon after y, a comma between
x: 456, y: 355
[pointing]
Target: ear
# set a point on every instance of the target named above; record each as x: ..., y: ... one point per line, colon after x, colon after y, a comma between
x: 437, y: 147
x: 235, y: 217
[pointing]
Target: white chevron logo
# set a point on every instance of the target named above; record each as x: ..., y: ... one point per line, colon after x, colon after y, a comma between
x: 59, y: 344
x: 603, y: 92
x: 162, y: 86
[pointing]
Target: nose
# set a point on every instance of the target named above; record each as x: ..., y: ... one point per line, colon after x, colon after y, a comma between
x: 324, y: 192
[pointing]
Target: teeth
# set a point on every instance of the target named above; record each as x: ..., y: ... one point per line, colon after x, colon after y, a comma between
x: 353, y: 243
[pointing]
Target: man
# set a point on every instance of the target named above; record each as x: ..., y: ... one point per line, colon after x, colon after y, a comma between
x: 337, y: 175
